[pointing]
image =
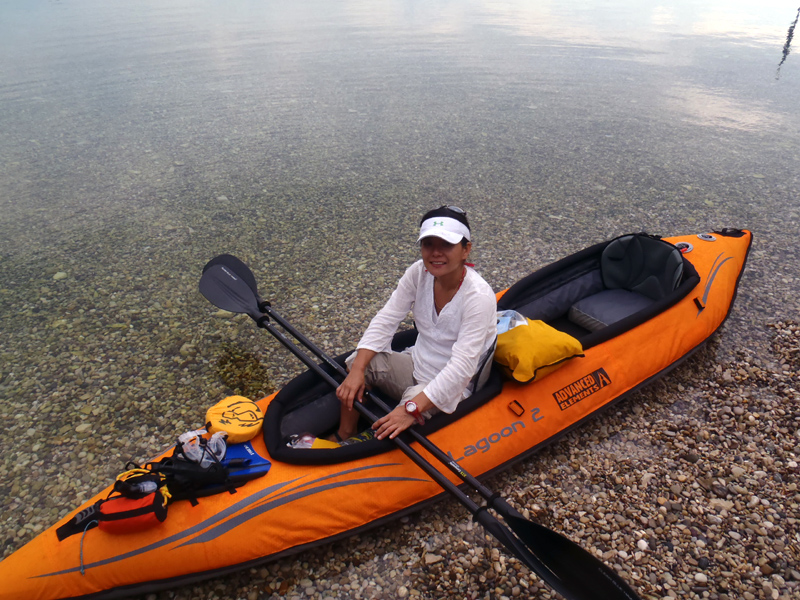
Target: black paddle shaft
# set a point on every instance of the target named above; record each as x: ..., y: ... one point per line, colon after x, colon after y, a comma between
x: 564, y: 554
x: 480, y: 514
x: 566, y: 567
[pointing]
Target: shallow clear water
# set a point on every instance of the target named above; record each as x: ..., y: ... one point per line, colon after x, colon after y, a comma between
x: 139, y: 139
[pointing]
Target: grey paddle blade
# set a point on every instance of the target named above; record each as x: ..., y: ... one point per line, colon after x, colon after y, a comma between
x: 237, y: 266
x: 228, y: 291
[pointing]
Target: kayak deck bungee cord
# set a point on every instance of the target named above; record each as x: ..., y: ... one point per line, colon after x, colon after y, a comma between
x: 637, y: 308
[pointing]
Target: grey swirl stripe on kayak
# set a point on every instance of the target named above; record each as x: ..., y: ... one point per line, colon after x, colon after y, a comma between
x: 333, y: 475
x: 242, y: 518
x: 711, y: 277
x: 223, y: 514
x: 180, y: 535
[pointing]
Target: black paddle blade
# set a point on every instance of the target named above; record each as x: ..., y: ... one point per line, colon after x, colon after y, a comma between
x: 226, y: 290
x: 565, y: 560
x: 566, y: 586
x: 237, y: 266
x: 564, y: 557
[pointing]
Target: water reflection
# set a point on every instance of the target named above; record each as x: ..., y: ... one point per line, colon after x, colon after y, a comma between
x: 141, y: 138
x: 716, y: 108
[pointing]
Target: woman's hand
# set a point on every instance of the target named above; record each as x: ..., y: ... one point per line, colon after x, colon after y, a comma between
x: 394, y: 423
x: 353, y: 386
x: 399, y: 420
x: 351, y: 389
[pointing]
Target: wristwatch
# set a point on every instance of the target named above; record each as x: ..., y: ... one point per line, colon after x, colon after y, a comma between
x: 411, y: 408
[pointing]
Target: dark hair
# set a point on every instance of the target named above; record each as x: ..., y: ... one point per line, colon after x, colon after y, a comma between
x: 444, y: 211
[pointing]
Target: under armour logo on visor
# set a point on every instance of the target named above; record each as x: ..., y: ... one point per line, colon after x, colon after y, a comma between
x: 439, y: 223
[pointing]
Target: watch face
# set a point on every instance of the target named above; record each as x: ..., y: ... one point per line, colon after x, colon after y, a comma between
x: 411, y: 406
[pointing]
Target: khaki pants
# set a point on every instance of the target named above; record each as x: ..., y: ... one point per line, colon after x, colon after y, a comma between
x: 393, y: 374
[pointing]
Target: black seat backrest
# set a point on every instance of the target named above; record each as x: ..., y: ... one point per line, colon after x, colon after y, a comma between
x: 642, y: 264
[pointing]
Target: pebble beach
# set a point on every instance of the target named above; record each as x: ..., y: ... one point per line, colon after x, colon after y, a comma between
x: 122, y: 173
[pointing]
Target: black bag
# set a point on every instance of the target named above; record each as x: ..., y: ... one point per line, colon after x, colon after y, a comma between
x: 141, y: 495
x: 190, y: 481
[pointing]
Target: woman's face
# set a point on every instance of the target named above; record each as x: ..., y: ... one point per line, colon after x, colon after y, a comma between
x: 442, y: 258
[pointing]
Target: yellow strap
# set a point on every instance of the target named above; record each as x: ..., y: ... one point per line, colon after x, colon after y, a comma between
x: 134, y: 472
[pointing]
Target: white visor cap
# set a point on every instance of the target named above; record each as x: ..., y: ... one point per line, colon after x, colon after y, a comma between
x: 447, y: 228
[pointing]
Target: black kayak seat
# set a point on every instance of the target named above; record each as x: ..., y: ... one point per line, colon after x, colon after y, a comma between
x: 316, y: 416
x: 307, y: 404
x: 636, y: 271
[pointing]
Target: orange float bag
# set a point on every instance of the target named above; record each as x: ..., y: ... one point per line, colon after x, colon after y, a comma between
x: 119, y: 514
x: 138, y: 501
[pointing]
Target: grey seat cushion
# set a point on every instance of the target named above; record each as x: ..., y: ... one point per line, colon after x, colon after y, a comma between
x: 642, y: 264
x: 604, y: 308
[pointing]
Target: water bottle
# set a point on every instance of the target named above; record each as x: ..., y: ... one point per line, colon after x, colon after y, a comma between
x: 144, y: 487
x: 301, y: 440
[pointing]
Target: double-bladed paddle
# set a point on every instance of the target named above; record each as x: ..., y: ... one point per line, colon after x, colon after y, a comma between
x: 569, y: 569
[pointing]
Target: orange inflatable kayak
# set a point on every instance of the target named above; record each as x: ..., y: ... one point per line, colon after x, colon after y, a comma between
x: 638, y: 305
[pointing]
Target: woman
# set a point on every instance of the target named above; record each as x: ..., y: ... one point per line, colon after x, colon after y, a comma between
x: 455, y: 314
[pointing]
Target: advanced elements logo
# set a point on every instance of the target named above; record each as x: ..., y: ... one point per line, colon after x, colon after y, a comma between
x: 583, y: 388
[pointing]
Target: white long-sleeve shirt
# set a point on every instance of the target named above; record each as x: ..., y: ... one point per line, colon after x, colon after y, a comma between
x: 451, y: 344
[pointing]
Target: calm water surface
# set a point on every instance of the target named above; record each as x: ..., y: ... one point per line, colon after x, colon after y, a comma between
x: 139, y: 139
